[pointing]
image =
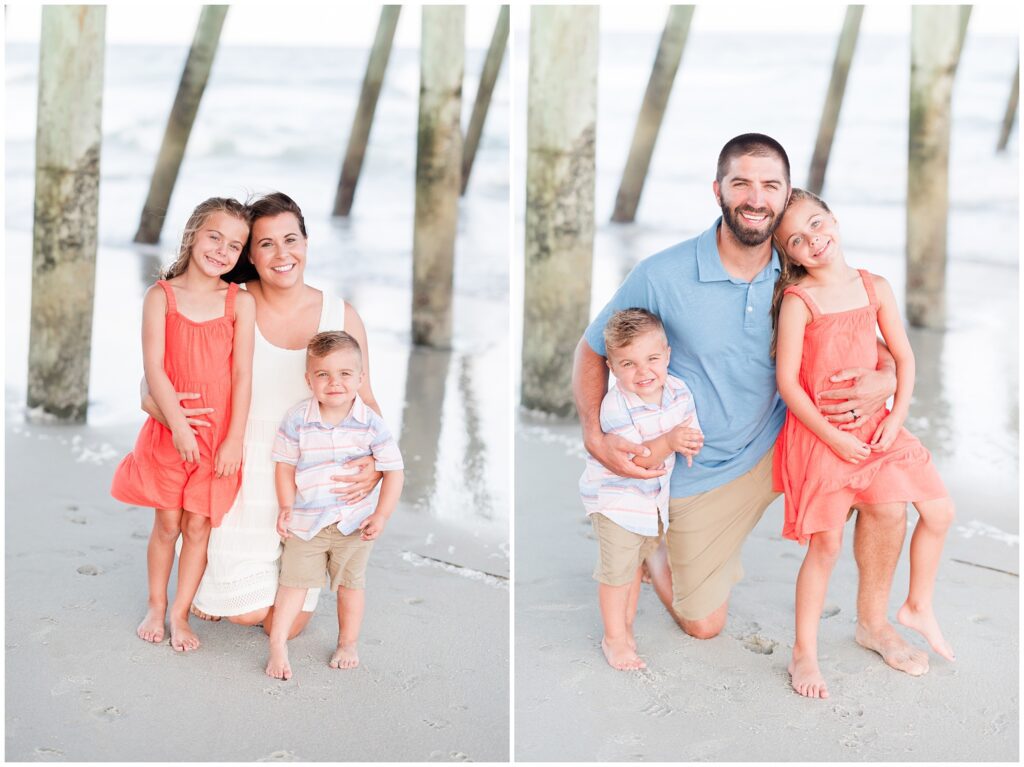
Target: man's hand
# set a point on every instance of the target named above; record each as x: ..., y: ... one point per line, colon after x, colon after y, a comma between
x: 614, y: 452
x: 360, y: 483
x: 846, y: 408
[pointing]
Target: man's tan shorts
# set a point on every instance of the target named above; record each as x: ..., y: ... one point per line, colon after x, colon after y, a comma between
x: 705, y: 534
x: 620, y: 551
x: 344, y: 557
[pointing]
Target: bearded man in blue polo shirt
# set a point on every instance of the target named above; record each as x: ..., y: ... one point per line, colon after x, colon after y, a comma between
x: 713, y: 295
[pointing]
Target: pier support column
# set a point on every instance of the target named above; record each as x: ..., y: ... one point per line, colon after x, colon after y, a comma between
x: 488, y: 77
x: 438, y: 172
x: 363, y: 121
x: 67, y: 189
x: 1011, y: 110
x: 934, y: 51
x: 179, y: 124
x: 652, y: 112
x: 560, y: 168
x: 834, y: 98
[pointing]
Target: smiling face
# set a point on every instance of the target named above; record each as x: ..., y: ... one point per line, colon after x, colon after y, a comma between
x: 218, y: 243
x: 752, y: 195
x: 278, y: 250
x: 809, y: 235
x: 642, y: 365
x: 335, y: 378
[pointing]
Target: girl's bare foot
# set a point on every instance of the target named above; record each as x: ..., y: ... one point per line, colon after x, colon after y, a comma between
x: 345, y: 656
x: 893, y: 648
x: 200, y: 614
x: 277, y: 665
x: 182, y: 637
x: 152, y: 627
x: 806, y: 677
x: 620, y: 655
x: 923, y: 622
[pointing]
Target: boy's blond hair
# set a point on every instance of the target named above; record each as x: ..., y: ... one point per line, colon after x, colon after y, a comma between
x: 329, y: 342
x: 626, y: 325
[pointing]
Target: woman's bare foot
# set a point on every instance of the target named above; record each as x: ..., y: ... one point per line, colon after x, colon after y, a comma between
x: 893, y: 648
x: 152, y: 627
x: 182, y: 637
x: 806, y: 677
x: 621, y: 656
x: 923, y: 622
x: 345, y: 656
x: 277, y: 665
x: 200, y: 614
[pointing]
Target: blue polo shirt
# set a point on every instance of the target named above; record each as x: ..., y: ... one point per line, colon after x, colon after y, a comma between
x: 720, y: 331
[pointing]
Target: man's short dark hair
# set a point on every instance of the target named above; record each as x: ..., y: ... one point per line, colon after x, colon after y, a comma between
x: 756, y: 144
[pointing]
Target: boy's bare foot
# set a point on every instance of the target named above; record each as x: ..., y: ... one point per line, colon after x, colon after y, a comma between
x: 621, y: 656
x: 200, y: 614
x: 806, y: 677
x: 278, y: 665
x: 923, y: 622
x: 893, y: 648
x: 182, y: 637
x: 152, y: 627
x: 345, y: 656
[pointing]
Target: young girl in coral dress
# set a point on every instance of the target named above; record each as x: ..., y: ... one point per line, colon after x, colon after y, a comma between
x: 826, y: 315
x: 197, y: 336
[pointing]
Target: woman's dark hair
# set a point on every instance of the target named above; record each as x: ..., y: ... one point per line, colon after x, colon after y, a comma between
x: 267, y: 206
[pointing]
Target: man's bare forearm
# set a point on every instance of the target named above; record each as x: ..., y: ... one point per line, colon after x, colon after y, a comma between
x: 589, y: 385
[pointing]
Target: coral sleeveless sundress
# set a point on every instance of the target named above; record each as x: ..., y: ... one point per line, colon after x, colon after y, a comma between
x: 197, y: 358
x: 820, y: 486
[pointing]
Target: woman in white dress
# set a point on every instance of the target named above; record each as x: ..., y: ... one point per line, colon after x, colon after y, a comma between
x: 240, y: 581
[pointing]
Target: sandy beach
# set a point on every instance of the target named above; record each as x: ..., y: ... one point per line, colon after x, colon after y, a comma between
x: 728, y: 698
x: 80, y: 686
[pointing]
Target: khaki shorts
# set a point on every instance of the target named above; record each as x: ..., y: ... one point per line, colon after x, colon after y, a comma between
x: 344, y: 557
x: 621, y: 551
x: 705, y: 534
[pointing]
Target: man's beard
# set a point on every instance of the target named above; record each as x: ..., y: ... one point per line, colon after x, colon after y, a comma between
x: 749, y: 237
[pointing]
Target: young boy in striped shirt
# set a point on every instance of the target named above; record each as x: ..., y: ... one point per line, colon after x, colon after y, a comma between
x: 629, y: 515
x: 321, y: 532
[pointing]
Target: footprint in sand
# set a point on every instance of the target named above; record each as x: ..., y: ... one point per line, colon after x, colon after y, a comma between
x: 141, y: 535
x: 89, y: 570
x: 76, y: 519
x: 440, y: 724
x: 760, y: 645
x: 109, y: 713
x: 829, y: 610
x: 279, y: 756
x: 657, y: 710
x: 413, y: 600
x: 458, y: 756
x: 978, y: 618
x: 44, y: 752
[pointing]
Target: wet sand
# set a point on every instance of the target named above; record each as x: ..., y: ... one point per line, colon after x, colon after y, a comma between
x: 729, y: 698
x: 80, y: 686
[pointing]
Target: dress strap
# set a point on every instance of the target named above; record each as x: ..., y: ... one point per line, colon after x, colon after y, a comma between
x: 172, y: 305
x: 229, y: 301
x: 869, y: 286
x: 796, y: 290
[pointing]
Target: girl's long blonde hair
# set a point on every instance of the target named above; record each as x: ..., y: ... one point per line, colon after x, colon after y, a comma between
x: 195, y: 222
x: 792, y: 272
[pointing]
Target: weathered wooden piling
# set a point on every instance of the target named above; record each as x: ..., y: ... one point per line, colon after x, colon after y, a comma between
x: 1011, y: 110
x: 438, y: 172
x: 426, y: 380
x: 652, y: 112
x: 834, y: 98
x: 560, y: 173
x: 179, y: 124
x: 67, y: 188
x: 965, y: 18
x: 934, y: 49
x: 363, y: 121
x: 488, y: 77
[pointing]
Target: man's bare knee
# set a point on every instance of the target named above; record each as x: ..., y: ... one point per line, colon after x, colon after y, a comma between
x: 883, y: 514
x: 704, y: 628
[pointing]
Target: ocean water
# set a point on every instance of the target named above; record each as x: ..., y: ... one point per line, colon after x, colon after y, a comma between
x: 278, y: 119
x: 966, y: 400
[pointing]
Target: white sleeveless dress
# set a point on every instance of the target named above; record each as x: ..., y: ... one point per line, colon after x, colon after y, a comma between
x: 242, y: 567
